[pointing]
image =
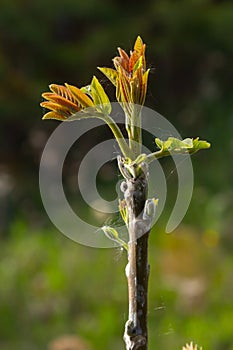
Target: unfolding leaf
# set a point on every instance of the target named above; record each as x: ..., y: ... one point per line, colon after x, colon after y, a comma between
x: 123, y: 54
x: 159, y: 143
x: 138, y: 45
x: 137, y: 65
x: 134, y: 91
x: 54, y: 115
x: 61, y: 102
x: 124, y: 211
x: 144, y: 87
x: 113, y: 235
x: 200, y: 144
x: 110, y: 73
x: 173, y: 144
x: 64, y: 111
x: 133, y: 60
x: 83, y: 99
x: 124, y: 86
x: 86, y: 90
x: 99, y: 96
x: 62, y: 91
x: 188, y: 145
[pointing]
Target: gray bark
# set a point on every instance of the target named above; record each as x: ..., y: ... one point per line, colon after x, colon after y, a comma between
x: 137, y: 270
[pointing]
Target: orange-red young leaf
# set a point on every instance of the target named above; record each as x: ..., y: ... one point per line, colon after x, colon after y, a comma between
x: 80, y: 97
x: 133, y: 60
x: 62, y: 101
x: 57, y: 108
x: 54, y: 115
x: 62, y: 91
x: 123, y: 54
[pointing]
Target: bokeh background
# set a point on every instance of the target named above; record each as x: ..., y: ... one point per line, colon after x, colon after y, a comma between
x: 51, y: 286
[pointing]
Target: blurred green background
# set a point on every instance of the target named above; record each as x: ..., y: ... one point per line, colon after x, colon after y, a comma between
x: 51, y: 286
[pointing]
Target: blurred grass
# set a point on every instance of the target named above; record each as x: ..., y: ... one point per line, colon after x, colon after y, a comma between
x: 52, y: 286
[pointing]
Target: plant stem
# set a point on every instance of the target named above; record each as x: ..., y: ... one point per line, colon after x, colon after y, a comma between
x: 137, y: 270
x: 135, y: 139
x: 119, y: 137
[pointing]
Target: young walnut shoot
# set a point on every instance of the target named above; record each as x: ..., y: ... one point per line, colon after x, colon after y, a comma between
x: 67, y: 103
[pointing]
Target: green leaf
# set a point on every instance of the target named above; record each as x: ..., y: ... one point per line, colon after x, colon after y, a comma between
x: 112, y: 234
x: 188, y: 145
x: 124, y: 211
x: 110, y: 73
x: 86, y: 90
x: 159, y: 143
x: 99, y: 96
x: 200, y: 144
x: 173, y: 144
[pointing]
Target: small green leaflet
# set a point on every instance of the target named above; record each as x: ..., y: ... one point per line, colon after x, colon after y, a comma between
x: 99, y: 96
x: 188, y: 145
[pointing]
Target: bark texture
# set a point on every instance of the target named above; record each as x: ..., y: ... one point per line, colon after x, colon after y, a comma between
x: 137, y: 270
